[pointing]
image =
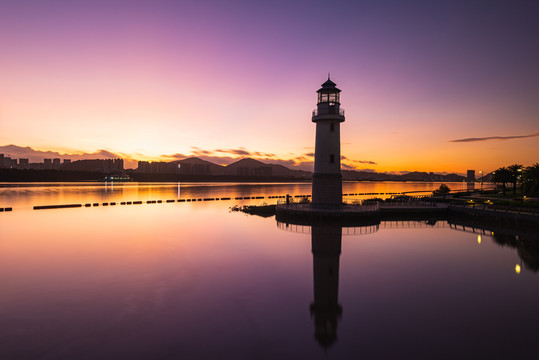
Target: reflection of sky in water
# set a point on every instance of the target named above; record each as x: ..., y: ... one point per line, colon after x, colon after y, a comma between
x: 194, y: 280
x: 26, y: 195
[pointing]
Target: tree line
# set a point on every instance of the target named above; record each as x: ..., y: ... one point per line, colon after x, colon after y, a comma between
x: 516, y: 174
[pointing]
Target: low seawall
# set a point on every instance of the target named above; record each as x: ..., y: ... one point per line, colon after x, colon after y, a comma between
x: 305, y: 214
x: 512, y: 216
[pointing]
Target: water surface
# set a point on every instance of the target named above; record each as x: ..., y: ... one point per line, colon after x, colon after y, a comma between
x: 27, y: 195
x: 195, y: 281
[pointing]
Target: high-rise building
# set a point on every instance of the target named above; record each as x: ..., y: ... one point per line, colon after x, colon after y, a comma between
x: 158, y: 167
x: 470, y: 176
x: 6, y: 161
x: 23, y: 163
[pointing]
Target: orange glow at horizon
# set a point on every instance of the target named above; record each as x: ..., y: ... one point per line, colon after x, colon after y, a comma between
x: 155, y: 83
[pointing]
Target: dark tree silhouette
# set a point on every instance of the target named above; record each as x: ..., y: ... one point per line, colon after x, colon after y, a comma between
x: 530, y: 180
x: 502, y: 176
x: 516, y: 173
x: 443, y: 189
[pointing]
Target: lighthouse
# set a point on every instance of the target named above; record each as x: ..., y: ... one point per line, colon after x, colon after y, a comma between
x: 328, y: 116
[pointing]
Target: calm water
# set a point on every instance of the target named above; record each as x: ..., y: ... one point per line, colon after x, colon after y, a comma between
x: 195, y: 281
x: 27, y: 195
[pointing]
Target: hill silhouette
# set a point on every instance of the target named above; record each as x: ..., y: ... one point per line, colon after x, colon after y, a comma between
x: 196, y: 169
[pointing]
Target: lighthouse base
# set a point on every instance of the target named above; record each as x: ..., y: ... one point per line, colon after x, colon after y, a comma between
x: 327, y: 190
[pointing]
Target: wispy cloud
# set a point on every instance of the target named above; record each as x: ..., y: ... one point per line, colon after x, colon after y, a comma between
x: 365, y: 162
x: 495, y: 138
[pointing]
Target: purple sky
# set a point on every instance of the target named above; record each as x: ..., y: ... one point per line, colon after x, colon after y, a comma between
x: 153, y: 78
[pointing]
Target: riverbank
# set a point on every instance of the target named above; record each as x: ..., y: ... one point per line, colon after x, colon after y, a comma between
x: 374, y: 212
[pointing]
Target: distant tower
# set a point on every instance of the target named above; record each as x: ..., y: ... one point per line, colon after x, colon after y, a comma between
x: 327, y: 179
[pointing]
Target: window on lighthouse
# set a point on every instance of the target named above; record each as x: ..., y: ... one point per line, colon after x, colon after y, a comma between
x: 323, y: 98
x: 332, y: 127
x: 332, y: 159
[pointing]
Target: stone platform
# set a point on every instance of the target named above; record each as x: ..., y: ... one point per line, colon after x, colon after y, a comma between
x: 307, y: 214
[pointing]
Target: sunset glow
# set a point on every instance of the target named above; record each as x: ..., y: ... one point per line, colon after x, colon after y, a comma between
x: 164, y: 80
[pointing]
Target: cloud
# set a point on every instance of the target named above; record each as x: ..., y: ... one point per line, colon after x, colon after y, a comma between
x: 311, y: 154
x: 495, y: 138
x: 176, y: 156
x: 365, y: 162
x: 257, y: 153
x: 239, y: 152
x: 359, y: 161
x: 199, y: 151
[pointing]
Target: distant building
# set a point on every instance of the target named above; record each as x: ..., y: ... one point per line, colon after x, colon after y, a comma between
x: 470, y: 176
x: 97, y: 165
x: 23, y: 163
x: 67, y: 161
x: 157, y: 167
x: 55, y: 163
x: 47, y: 163
x: 5, y: 161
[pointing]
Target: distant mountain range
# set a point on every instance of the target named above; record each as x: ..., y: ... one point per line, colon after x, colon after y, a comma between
x: 246, y: 167
x: 251, y: 167
x: 410, y: 176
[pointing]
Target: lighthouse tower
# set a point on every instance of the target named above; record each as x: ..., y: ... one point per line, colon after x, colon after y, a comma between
x: 327, y: 179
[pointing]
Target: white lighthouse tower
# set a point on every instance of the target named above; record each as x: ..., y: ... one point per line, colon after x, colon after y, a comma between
x: 327, y: 179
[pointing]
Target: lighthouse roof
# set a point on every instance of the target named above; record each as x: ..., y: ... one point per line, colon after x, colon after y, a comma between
x: 329, y: 86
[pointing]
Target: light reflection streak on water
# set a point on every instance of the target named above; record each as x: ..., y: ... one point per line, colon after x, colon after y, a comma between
x: 26, y: 195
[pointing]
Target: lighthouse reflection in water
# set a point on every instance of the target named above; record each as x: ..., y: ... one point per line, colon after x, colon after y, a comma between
x: 325, y: 309
x: 326, y: 240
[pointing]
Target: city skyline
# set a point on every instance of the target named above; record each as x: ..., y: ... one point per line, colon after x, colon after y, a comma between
x: 426, y: 87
